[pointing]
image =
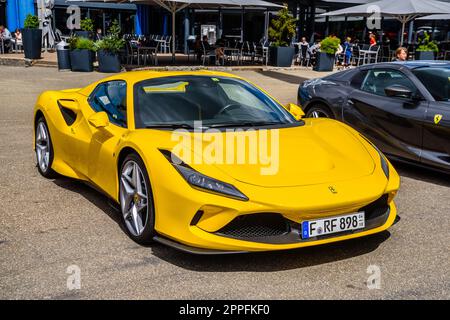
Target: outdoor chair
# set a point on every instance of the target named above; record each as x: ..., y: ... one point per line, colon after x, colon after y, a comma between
x: 131, y: 52
x: 17, y: 46
x: 190, y: 49
x: 246, y: 52
x: 386, y: 55
x: 258, y: 52
x: 207, y: 54
x: 372, y: 57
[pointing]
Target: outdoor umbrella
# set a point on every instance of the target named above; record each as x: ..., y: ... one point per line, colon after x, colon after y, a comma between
x: 404, y: 11
x: 177, y: 5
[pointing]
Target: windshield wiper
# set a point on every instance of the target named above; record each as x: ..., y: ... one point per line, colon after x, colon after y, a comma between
x: 169, y: 126
x: 244, y: 124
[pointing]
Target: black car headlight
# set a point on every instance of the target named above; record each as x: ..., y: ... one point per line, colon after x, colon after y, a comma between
x: 384, y: 164
x: 203, y: 182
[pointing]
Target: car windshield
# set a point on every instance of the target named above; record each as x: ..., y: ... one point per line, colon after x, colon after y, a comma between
x: 436, y: 80
x: 172, y: 102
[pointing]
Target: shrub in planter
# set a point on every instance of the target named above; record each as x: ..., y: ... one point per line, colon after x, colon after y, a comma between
x: 326, y: 56
x: 82, y: 54
x: 32, y: 38
x: 281, y: 33
x: 108, y: 50
x: 87, y: 29
x: 427, y: 49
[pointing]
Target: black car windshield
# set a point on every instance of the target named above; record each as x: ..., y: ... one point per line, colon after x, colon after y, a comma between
x: 436, y: 80
x: 180, y: 101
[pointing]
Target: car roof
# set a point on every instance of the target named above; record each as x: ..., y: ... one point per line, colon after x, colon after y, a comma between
x: 133, y: 77
x: 409, y: 64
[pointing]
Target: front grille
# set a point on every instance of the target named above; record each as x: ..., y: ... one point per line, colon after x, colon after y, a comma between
x: 256, y: 226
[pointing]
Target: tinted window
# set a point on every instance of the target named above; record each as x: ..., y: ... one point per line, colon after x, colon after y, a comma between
x: 436, y: 80
x: 378, y: 80
x: 212, y: 100
x: 358, y: 78
x: 111, y: 97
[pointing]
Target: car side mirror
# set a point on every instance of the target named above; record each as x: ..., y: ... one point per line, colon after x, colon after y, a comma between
x: 99, y: 120
x: 398, y: 91
x: 295, y: 110
x: 69, y: 104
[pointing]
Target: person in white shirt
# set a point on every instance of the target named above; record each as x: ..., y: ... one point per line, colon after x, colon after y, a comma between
x: 5, y: 36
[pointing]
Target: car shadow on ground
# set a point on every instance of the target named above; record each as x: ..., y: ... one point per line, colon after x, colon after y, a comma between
x: 275, y: 260
x: 422, y: 174
x: 94, y: 196
x: 254, y: 262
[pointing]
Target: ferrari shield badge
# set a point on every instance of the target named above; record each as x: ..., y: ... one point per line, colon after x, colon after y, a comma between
x: 437, y: 118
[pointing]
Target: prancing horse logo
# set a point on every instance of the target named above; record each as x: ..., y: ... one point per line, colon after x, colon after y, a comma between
x: 437, y: 118
x: 332, y: 189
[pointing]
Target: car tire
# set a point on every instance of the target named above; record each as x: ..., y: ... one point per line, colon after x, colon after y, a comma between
x: 136, y: 200
x: 44, y: 149
x: 319, y: 111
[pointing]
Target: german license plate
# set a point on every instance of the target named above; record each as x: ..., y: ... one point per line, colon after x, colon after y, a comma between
x: 317, y: 228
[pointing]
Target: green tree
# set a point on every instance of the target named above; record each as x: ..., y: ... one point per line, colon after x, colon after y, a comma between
x: 282, y: 29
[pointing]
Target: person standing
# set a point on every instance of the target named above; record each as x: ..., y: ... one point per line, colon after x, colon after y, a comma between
x: 401, y: 54
x: 5, y: 36
x: 372, y: 40
x: 348, y: 51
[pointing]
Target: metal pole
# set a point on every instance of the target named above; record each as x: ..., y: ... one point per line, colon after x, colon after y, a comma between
x: 403, y: 33
x: 186, y: 30
x: 411, y: 31
x: 266, y: 26
x: 174, y: 12
x: 242, y: 24
x: 220, y: 31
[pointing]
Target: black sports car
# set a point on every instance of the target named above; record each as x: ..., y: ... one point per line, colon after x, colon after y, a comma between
x: 403, y: 108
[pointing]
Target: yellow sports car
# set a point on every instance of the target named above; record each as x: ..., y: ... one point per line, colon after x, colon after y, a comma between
x: 207, y: 162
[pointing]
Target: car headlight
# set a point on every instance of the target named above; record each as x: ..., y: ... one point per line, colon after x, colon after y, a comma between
x: 201, y: 181
x: 384, y: 163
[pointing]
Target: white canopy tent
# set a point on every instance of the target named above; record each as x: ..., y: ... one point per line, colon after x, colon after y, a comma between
x: 404, y: 11
x: 174, y: 6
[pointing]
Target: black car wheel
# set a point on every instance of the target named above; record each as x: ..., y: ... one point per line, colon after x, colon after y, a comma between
x: 319, y: 111
x: 136, y: 200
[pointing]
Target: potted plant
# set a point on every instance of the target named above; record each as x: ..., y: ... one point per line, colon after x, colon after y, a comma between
x: 427, y: 49
x: 108, y: 50
x: 82, y: 54
x: 87, y: 29
x: 281, y: 32
x: 327, y: 54
x: 32, y: 37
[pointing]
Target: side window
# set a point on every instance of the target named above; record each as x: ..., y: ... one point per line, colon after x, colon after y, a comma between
x: 358, y: 79
x: 378, y: 80
x: 111, y: 97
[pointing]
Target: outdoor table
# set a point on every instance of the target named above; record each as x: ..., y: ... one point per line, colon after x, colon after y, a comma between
x: 146, y: 50
x: 367, y: 54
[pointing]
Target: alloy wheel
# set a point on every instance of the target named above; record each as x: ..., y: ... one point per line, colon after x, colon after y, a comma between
x: 133, y: 198
x: 42, y: 146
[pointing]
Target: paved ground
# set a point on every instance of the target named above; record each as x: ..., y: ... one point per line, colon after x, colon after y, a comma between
x: 47, y: 226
